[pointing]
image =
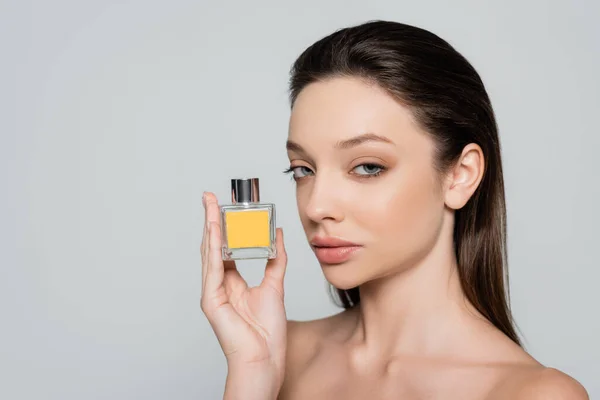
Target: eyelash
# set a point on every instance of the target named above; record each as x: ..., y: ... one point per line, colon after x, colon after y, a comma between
x: 367, y: 176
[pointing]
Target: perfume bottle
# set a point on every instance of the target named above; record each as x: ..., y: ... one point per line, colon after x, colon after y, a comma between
x: 248, y: 226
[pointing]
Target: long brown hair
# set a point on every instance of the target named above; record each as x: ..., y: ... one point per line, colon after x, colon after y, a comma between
x: 449, y: 100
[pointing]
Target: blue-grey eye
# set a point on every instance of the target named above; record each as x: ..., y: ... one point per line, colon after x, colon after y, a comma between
x: 301, y: 171
x: 369, y: 169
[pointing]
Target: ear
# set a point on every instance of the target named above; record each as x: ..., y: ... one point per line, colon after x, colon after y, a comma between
x: 464, y: 177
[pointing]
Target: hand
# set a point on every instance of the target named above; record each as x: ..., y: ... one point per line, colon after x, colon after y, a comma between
x: 249, y: 322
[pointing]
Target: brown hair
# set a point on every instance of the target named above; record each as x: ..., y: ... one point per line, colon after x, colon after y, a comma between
x: 449, y: 100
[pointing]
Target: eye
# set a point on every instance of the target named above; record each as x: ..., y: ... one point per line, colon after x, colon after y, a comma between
x: 369, y: 170
x: 298, y: 172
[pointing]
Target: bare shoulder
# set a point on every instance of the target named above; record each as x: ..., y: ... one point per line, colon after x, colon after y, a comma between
x: 302, y: 342
x: 550, y: 383
x: 305, y: 339
x: 520, y: 376
x: 547, y: 383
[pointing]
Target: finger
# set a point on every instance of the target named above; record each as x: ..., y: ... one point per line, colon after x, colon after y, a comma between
x: 212, y: 208
x: 203, y: 251
x: 275, y: 269
x: 209, y: 200
x: 204, y: 244
x: 212, y: 215
x: 215, y: 270
x: 205, y: 260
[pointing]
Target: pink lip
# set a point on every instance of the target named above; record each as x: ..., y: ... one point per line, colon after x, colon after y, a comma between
x: 330, y: 250
x: 324, y: 241
x: 335, y: 255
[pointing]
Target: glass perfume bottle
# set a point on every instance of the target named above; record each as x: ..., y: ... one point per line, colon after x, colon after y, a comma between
x: 248, y: 226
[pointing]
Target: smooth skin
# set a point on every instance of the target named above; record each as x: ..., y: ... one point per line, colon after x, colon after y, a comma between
x: 364, y: 173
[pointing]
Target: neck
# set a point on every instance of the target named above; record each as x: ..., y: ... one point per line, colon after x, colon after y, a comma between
x: 421, y: 310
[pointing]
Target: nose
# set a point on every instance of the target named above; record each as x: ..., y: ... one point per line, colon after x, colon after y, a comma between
x: 324, y: 200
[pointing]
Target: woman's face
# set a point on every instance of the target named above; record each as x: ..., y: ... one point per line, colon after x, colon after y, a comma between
x: 364, y: 174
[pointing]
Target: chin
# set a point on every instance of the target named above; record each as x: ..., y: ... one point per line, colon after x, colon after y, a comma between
x: 343, y: 276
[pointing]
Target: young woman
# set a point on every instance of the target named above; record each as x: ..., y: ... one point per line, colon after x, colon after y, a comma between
x: 394, y: 148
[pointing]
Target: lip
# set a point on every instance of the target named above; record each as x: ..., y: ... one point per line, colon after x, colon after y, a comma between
x: 330, y: 241
x: 331, y: 250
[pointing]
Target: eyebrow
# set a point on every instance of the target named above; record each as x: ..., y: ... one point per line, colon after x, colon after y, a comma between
x: 345, y: 144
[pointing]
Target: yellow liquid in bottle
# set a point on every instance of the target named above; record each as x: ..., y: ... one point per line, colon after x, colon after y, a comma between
x: 247, y: 229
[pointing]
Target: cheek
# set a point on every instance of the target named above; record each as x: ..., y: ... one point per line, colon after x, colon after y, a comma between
x: 300, y: 207
x: 404, y: 217
x: 301, y: 202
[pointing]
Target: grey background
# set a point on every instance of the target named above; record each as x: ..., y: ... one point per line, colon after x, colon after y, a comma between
x: 116, y: 115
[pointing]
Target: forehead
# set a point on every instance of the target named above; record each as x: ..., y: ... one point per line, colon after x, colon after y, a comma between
x: 343, y: 107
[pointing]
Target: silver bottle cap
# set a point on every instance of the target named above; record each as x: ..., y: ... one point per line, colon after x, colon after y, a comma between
x: 245, y: 190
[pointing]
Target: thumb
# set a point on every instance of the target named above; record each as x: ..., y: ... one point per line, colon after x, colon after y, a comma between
x: 275, y: 269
